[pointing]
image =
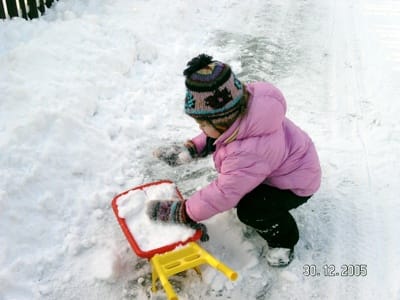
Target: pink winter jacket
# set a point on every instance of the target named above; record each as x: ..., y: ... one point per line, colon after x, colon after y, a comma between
x: 262, y: 147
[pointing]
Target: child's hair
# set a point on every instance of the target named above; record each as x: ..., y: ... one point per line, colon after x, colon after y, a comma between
x: 213, y: 93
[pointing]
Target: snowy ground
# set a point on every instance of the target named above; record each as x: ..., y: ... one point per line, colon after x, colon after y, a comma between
x: 89, y: 90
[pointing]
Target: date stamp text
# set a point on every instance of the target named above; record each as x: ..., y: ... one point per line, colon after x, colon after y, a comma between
x: 329, y: 270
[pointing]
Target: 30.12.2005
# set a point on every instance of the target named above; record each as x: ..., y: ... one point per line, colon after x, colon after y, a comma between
x: 330, y: 270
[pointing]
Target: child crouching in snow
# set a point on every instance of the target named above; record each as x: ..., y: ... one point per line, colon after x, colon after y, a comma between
x: 266, y: 164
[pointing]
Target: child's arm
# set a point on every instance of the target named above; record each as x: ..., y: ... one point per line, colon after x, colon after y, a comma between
x: 237, y: 178
x: 199, y: 142
x: 203, y: 145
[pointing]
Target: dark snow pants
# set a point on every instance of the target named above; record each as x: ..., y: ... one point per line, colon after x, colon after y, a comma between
x: 266, y: 209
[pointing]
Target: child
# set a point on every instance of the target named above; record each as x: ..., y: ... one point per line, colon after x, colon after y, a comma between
x: 266, y: 164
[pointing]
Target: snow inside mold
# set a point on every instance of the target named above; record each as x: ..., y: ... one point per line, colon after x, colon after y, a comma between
x: 147, y: 233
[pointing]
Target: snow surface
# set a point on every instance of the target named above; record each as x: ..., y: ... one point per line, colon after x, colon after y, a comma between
x: 150, y: 235
x: 90, y: 89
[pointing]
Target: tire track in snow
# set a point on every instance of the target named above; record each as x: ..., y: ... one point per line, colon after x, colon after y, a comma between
x: 386, y: 29
x: 345, y: 122
x: 381, y: 18
x: 360, y: 220
x: 270, y: 51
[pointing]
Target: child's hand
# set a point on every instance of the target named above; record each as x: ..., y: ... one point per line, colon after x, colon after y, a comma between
x: 170, y: 211
x: 176, y: 154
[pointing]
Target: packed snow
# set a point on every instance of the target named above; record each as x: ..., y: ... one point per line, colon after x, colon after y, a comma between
x: 89, y: 90
x: 150, y: 235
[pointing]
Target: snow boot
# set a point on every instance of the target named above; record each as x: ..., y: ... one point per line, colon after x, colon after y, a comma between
x: 279, y: 257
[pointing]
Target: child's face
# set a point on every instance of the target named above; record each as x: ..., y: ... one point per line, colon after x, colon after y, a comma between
x: 208, y: 129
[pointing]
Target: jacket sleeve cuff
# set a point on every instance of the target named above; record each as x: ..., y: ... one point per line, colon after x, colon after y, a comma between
x: 199, y: 142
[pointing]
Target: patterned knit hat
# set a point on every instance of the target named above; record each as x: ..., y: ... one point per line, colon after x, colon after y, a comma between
x: 213, y: 91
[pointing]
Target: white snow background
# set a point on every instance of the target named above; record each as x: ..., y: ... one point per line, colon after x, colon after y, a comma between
x: 89, y: 90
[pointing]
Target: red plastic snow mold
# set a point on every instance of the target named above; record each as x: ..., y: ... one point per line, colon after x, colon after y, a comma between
x: 150, y: 253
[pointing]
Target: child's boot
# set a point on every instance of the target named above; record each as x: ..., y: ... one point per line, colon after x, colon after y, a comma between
x: 279, y: 257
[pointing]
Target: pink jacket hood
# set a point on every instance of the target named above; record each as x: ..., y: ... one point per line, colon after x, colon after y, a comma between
x: 263, y: 117
x: 261, y: 147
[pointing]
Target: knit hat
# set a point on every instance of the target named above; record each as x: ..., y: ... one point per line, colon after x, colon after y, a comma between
x: 213, y: 91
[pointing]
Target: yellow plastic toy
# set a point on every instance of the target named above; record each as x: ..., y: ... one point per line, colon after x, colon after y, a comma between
x: 188, y: 257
